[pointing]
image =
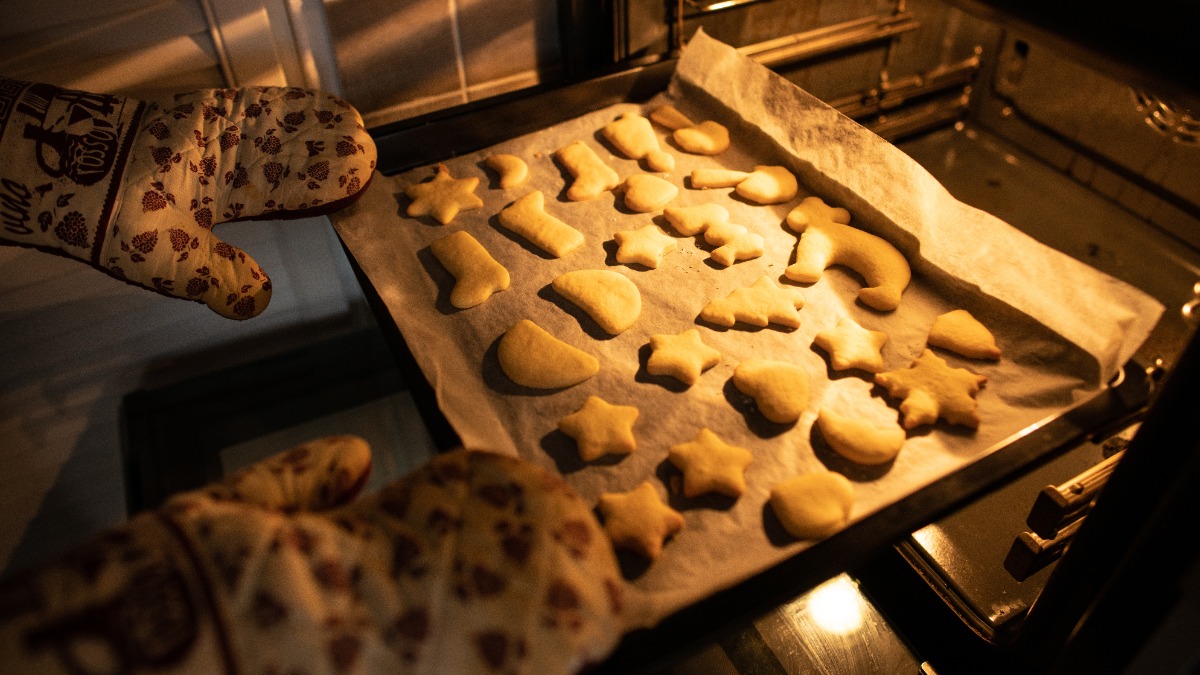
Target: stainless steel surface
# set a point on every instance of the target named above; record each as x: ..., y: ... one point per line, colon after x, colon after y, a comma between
x: 787, y: 50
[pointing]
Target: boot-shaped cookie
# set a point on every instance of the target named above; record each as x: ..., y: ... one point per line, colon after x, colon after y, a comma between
x: 134, y: 188
x: 474, y: 563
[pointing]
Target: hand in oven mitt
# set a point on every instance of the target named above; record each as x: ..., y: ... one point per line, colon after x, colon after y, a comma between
x: 134, y: 188
x: 476, y: 562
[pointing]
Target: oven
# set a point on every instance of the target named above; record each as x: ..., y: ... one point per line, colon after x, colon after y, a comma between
x: 1068, y: 548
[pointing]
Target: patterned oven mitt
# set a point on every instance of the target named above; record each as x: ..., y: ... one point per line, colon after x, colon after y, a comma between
x: 134, y: 188
x: 475, y: 563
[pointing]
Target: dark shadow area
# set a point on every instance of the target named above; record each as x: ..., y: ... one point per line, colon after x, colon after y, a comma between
x: 745, y: 405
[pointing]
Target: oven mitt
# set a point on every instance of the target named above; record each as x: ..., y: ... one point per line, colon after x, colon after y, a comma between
x: 134, y: 188
x: 476, y: 562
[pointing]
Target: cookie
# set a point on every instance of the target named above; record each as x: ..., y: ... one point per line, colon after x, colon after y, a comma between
x: 692, y: 220
x: 645, y: 193
x: 765, y: 185
x: 709, y: 464
x: 779, y: 389
x: 600, y: 428
x: 531, y: 357
x: 859, y: 440
x: 527, y: 217
x: 610, y: 298
x: 443, y: 197
x: 761, y: 304
x: 813, y: 505
x: 644, y: 246
x: 476, y: 274
x: 826, y: 239
x: 512, y: 169
x: 706, y: 138
x: 963, y: 334
x: 592, y: 177
x: 683, y: 356
x: 849, y: 345
x: 931, y: 389
x: 633, y: 137
x: 638, y: 520
x: 734, y: 243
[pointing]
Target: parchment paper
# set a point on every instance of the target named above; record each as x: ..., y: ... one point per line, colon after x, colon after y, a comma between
x: 1064, y: 327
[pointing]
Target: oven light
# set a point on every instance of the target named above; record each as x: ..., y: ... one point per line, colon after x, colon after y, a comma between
x: 720, y: 5
x: 836, y: 606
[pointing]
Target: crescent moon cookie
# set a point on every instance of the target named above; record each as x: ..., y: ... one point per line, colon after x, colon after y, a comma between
x: 644, y: 246
x: 858, y: 440
x: 931, y: 389
x: 683, y: 356
x: 638, y: 520
x: 592, y: 177
x: 761, y: 304
x: 443, y: 197
x: 632, y: 136
x: 601, y: 428
x: 779, y: 389
x: 826, y: 239
x: 531, y: 357
x: 963, y: 334
x: 527, y: 217
x: 849, y: 345
x: 709, y: 464
x: 512, y: 169
x: 610, y: 298
x: 476, y: 273
x: 813, y: 505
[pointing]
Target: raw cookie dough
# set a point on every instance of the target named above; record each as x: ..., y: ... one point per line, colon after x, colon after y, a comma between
x: 645, y: 193
x: 761, y: 304
x: 826, y: 239
x: 765, y: 185
x: 813, y: 505
x: 443, y: 197
x: 709, y: 464
x: 779, y: 389
x: 632, y: 136
x: 859, y: 440
x: 592, y: 176
x: 644, y: 246
x: 512, y: 169
x: 963, y: 334
x: 706, y: 138
x: 601, y: 428
x: 477, y: 275
x: 683, y: 356
x: 638, y: 520
x: 610, y: 298
x: 849, y: 345
x: 527, y: 217
x: 531, y: 357
x: 930, y: 389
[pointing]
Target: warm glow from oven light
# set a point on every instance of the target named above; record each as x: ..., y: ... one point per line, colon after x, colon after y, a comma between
x: 720, y: 5
x: 836, y: 606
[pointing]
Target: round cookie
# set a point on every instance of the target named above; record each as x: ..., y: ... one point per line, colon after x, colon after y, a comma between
x: 813, y: 505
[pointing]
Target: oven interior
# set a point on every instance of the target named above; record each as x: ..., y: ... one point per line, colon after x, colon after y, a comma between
x: 1010, y: 119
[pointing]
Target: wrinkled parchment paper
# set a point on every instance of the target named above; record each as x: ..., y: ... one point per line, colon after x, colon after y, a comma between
x: 1064, y: 327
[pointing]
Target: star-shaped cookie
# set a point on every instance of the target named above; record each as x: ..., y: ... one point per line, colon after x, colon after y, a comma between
x: 644, y: 246
x: 930, y: 389
x: 763, y: 303
x: 601, y: 428
x: 639, y: 520
x: 683, y: 356
x: 709, y: 464
x: 443, y: 197
x: 849, y: 345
